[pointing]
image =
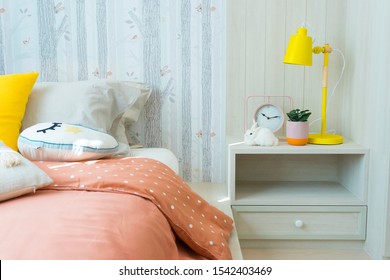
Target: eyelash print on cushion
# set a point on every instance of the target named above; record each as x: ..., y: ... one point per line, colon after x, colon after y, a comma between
x: 53, y: 127
x: 65, y: 142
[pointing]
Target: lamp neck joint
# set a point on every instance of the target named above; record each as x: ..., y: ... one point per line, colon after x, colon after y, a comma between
x: 325, y: 49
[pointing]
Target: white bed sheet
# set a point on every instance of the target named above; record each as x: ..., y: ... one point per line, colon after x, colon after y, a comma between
x: 161, y: 154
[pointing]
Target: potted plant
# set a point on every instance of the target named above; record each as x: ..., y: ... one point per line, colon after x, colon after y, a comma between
x: 297, y: 127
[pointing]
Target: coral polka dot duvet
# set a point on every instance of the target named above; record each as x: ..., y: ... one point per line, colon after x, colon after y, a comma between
x: 117, y: 208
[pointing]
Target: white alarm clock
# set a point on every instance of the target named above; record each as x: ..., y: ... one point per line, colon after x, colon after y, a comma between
x: 270, y: 116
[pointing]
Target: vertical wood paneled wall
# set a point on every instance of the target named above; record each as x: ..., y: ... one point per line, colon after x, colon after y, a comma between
x: 367, y: 90
x: 258, y: 32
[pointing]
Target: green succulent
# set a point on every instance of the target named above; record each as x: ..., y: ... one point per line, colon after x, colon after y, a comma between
x: 296, y: 115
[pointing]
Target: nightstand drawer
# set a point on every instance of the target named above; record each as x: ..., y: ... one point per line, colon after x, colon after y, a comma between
x: 300, y: 222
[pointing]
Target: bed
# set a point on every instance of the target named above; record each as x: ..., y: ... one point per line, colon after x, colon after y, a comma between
x: 102, y: 203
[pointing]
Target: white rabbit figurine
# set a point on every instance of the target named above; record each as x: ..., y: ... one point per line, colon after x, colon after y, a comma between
x: 261, y: 136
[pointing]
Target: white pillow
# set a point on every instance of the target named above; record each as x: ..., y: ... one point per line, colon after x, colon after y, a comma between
x: 123, y: 128
x: 21, y: 179
x: 65, y: 142
x: 95, y: 104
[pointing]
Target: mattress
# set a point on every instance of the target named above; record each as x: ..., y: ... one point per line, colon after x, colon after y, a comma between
x: 163, y: 155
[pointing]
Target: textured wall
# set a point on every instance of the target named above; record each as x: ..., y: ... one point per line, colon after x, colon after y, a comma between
x: 178, y: 47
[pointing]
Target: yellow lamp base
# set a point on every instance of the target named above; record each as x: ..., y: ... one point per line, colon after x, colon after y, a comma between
x: 325, y: 139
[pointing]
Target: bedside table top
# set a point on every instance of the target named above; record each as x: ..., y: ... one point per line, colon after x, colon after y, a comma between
x: 348, y: 147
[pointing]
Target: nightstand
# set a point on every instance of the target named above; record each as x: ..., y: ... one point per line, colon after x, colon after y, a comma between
x: 311, y: 192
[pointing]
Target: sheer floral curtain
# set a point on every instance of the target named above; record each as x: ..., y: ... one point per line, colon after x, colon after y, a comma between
x: 176, y: 46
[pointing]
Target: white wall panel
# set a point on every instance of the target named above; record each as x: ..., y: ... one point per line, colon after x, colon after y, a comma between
x: 275, y: 46
x: 367, y: 40
x: 258, y: 34
x: 236, y: 63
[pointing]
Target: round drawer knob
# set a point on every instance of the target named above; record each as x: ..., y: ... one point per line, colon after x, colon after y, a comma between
x: 298, y: 223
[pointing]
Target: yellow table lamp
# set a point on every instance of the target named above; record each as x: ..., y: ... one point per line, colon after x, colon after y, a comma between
x: 299, y: 52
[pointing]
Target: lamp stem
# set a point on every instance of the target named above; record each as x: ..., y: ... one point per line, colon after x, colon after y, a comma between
x: 323, y: 138
x: 324, y: 90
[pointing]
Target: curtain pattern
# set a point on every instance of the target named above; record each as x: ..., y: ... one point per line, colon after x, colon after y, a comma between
x: 176, y: 46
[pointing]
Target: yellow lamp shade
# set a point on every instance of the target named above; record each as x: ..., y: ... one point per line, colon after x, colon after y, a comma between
x: 299, y: 49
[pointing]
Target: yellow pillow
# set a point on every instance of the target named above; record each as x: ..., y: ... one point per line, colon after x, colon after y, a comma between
x: 14, y: 92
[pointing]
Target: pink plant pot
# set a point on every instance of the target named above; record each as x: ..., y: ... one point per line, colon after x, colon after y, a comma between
x: 297, y: 133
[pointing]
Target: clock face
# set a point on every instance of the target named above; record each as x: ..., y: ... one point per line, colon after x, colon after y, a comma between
x: 269, y: 115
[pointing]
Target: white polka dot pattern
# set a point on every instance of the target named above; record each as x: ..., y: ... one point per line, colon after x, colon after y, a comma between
x: 203, y: 227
